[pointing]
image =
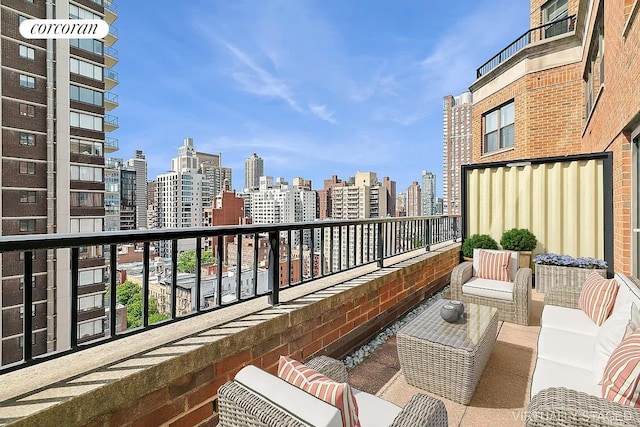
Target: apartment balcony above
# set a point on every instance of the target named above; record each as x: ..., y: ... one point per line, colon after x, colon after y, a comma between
x: 110, y: 56
x: 110, y: 145
x: 110, y: 11
x: 110, y: 101
x: 112, y: 35
x: 110, y: 123
x: 543, y: 33
x: 110, y: 79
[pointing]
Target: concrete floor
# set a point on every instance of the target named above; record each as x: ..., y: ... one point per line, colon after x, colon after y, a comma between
x: 502, y: 394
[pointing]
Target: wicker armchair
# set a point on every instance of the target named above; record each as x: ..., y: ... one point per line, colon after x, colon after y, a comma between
x: 560, y: 406
x: 240, y: 406
x: 517, y: 310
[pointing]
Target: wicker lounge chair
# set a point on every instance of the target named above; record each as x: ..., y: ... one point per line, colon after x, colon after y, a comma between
x: 512, y: 299
x: 242, y: 403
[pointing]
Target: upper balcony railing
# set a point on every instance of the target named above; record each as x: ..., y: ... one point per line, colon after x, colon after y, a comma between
x: 300, y: 252
x: 545, y: 31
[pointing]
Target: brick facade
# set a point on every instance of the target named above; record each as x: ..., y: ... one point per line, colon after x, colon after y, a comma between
x: 551, y: 118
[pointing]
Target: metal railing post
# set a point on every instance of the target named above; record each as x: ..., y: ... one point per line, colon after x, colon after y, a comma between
x: 274, y: 268
x: 427, y: 235
x: 380, y: 246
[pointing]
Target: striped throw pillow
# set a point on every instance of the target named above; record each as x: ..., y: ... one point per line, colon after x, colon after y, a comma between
x: 337, y: 394
x: 597, y: 297
x: 494, y: 265
x: 621, y: 381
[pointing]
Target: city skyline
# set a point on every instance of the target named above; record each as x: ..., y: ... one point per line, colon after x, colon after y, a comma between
x: 302, y: 85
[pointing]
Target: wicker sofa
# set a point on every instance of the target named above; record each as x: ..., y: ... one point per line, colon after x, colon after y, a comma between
x: 572, y: 352
x: 512, y: 299
x: 257, y: 398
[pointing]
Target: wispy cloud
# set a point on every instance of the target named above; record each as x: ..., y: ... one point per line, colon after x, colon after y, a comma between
x: 258, y: 81
x: 321, y: 112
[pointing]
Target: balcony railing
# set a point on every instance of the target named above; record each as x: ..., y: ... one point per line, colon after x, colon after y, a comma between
x: 110, y: 74
x: 310, y: 250
x: 111, y: 142
x: 551, y: 29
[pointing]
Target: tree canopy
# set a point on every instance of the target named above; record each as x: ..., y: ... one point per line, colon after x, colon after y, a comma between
x: 130, y: 295
x: 187, y: 260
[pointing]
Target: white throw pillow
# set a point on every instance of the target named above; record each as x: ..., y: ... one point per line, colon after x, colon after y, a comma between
x: 608, y: 338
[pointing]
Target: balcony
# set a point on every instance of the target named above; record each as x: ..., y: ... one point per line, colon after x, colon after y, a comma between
x: 110, y: 145
x: 110, y: 101
x: 542, y: 33
x: 110, y: 56
x: 112, y: 35
x: 110, y: 79
x: 110, y: 123
x: 110, y: 11
x: 200, y: 349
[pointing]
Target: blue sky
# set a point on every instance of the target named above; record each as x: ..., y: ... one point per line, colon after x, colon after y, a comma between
x: 315, y: 88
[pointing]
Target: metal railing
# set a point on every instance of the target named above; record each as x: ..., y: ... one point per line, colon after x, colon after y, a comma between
x: 249, y: 261
x: 111, y: 142
x: 545, y: 31
x: 110, y: 74
x: 111, y: 97
x: 111, y: 120
x: 112, y: 52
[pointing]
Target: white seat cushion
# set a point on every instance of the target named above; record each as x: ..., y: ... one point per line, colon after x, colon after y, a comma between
x: 567, y: 319
x: 488, y: 288
x: 566, y: 347
x: 374, y: 411
x: 296, y: 401
x: 548, y: 373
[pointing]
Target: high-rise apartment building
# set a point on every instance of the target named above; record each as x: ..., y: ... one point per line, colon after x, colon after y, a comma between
x: 152, y: 207
x: 401, y: 205
x: 414, y: 199
x: 390, y: 187
x: 456, y: 147
x: 428, y: 198
x: 138, y: 163
x: 324, y: 196
x: 55, y: 104
x: 253, y: 170
x: 281, y: 203
x: 112, y: 168
x: 218, y: 177
x: 179, y: 196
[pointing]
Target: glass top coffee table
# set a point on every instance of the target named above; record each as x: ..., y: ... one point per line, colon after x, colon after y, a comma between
x: 447, y: 358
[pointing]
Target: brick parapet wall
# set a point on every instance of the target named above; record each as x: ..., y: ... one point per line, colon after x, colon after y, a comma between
x: 181, y: 391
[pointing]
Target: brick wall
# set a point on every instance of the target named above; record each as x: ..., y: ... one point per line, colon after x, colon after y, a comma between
x: 550, y: 118
x: 538, y: 97
x: 182, y: 390
x: 615, y: 115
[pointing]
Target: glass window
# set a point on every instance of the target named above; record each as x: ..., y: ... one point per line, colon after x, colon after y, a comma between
x: 86, y: 173
x: 90, y: 45
x: 28, y: 139
x: 86, y: 69
x: 499, y: 128
x: 27, y: 225
x: 27, y: 168
x: 27, y: 81
x: 90, y: 148
x: 85, y: 95
x: 555, y: 10
x: 85, y: 121
x: 27, y: 110
x: 26, y: 52
x: 27, y: 196
x: 76, y: 12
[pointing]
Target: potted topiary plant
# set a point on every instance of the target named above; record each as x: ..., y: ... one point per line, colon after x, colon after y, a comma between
x: 521, y: 240
x: 477, y: 241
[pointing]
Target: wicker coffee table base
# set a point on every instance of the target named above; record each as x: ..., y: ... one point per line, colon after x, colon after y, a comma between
x: 447, y: 371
